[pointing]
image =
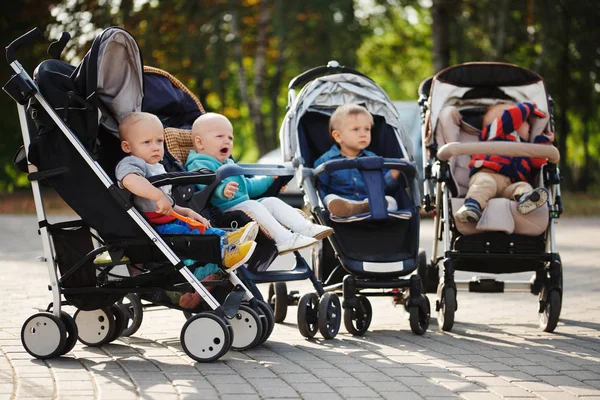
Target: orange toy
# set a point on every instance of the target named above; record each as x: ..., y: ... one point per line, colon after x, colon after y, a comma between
x: 201, y: 227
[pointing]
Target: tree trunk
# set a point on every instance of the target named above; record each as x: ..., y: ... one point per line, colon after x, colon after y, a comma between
x: 254, y: 104
x: 440, y: 13
x: 500, y: 40
x: 563, y: 94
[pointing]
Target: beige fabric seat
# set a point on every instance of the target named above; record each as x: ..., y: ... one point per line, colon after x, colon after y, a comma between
x: 500, y: 214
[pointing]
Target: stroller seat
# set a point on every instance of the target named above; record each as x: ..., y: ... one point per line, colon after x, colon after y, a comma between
x: 500, y: 214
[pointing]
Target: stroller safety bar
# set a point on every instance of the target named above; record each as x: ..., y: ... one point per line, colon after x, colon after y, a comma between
x: 450, y: 150
x: 202, y: 176
x: 368, y: 163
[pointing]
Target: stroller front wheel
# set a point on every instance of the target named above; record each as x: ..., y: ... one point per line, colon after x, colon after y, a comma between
x: 330, y: 315
x: 205, y: 337
x: 447, y: 308
x: 308, y: 311
x: 357, y: 319
x: 419, y: 317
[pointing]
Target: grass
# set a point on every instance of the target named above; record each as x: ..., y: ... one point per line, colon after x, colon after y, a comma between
x: 21, y: 202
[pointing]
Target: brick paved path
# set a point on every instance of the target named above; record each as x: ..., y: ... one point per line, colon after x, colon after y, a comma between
x: 494, y: 351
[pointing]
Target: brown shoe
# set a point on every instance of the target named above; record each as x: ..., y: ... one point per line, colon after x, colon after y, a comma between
x: 344, y: 208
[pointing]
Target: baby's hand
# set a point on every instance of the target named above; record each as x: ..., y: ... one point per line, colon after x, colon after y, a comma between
x: 163, y: 205
x: 197, y: 217
x: 550, y: 136
x: 395, y: 173
x: 230, y: 190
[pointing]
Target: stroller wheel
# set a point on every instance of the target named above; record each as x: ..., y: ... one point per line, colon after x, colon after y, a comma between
x: 95, y: 327
x: 44, y: 335
x: 419, y: 317
x: 428, y: 273
x: 330, y: 315
x: 268, y: 320
x: 205, y: 337
x: 358, y: 319
x: 120, y: 322
x: 447, y: 309
x: 308, y: 312
x: 549, y: 317
x: 278, y: 298
x: 247, y: 328
x: 132, y: 307
x: 71, y: 332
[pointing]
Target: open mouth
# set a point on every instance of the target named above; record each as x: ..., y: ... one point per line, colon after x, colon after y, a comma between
x: 224, y: 150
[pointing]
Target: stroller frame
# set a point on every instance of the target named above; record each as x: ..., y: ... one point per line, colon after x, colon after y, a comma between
x: 57, y: 332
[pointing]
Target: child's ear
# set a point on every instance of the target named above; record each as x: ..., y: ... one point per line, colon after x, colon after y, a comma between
x: 198, y: 142
x: 336, y: 136
x: 125, y: 146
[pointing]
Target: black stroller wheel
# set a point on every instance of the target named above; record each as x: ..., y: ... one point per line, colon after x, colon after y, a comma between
x: 131, y: 305
x: 308, y: 313
x: 269, y: 320
x: 358, y: 319
x: 71, y: 327
x: 278, y: 298
x: 549, y: 317
x: 447, y: 309
x: 330, y: 315
x: 120, y: 322
x: 419, y: 318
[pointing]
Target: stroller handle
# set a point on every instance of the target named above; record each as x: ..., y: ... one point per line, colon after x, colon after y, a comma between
x: 330, y: 68
x: 29, y: 37
x: 368, y: 163
x: 450, y: 150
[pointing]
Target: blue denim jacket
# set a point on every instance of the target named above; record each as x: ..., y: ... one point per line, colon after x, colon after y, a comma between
x: 347, y: 183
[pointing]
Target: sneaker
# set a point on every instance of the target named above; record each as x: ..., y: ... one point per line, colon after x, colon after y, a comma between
x: 247, y: 233
x: 316, y: 231
x: 469, y: 212
x: 344, y: 208
x: 531, y: 201
x: 296, y: 242
x: 237, y: 255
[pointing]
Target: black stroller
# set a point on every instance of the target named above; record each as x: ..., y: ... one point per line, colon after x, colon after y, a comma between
x: 369, y: 254
x: 453, y: 103
x: 68, y: 119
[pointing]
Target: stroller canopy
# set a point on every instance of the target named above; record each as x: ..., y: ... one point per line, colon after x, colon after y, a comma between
x: 486, y: 83
x: 326, y: 93
x: 111, y: 77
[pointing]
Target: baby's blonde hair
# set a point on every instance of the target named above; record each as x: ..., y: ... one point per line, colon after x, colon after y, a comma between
x: 133, y: 118
x: 343, y: 112
x: 494, y: 111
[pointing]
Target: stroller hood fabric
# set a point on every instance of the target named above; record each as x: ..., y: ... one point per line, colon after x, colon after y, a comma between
x: 111, y: 78
x: 481, y: 83
x: 326, y: 93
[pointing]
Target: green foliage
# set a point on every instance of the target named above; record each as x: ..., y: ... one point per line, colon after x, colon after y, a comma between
x: 210, y: 44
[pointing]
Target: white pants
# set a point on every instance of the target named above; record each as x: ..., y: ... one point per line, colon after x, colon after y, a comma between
x: 271, y: 213
x: 391, y: 202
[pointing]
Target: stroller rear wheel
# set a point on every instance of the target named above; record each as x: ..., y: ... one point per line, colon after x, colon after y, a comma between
x: 44, y: 335
x: 120, y: 322
x: 549, y: 317
x: 419, y: 317
x: 308, y: 313
x: 247, y: 328
x: 132, y: 307
x: 268, y: 320
x: 278, y: 298
x: 446, y: 308
x: 330, y: 315
x: 205, y: 337
x: 95, y: 327
x: 357, y: 319
x: 71, y: 332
